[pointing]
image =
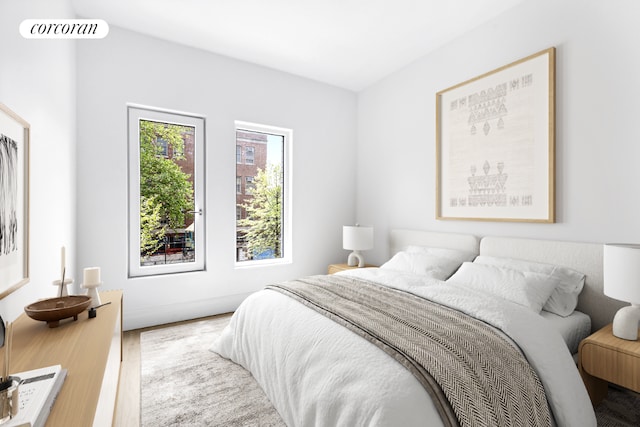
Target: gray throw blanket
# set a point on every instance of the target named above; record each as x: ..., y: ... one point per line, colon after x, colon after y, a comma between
x: 473, y: 374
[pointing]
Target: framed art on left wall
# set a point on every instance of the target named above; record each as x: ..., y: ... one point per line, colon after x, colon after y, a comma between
x: 14, y: 201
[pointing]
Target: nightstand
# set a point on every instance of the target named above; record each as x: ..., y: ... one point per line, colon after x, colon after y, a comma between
x: 334, y: 268
x: 604, y: 358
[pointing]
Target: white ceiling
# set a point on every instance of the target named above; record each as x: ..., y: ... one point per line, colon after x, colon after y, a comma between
x: 346, y: 43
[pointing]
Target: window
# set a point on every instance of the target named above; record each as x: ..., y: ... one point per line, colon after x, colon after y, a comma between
x: 238, y: 154
x: 249, y: 155
x: 263, y: 210
x: 163, y: 147
x: 238, y: 185
x: 166, y: 192
x: 248, y: 185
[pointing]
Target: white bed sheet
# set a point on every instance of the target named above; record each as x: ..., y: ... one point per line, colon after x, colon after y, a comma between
x: 316, y: 372
x: 573, y: 328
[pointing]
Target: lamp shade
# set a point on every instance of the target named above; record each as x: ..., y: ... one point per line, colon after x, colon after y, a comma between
x: 621, y: 270
x: 357, y: 238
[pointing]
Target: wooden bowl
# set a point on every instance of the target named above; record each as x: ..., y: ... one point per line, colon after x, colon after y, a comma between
x: 53, y: 310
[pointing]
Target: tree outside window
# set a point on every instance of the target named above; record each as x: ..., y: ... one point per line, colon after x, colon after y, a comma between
x: 166, y: 190
x: 261, y: 208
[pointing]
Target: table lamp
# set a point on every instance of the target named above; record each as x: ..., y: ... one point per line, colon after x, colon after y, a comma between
x: 356, y: 238
x: 621, y: 269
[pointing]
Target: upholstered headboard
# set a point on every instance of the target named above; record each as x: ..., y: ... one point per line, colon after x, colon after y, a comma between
x: 401, y: 238
x: 583, y: 257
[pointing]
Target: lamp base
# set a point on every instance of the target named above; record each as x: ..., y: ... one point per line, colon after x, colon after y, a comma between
x: 625, y: 322
x: 355, y: 258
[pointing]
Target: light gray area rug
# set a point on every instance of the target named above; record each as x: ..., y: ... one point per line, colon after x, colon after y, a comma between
x: 185, y: 384
x: 621, y: 408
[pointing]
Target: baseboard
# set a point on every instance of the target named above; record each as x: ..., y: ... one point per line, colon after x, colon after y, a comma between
x: 177, y: 312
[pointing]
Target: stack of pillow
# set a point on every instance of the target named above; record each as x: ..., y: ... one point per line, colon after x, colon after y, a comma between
x: 438, y: 263
x: 538, y: 286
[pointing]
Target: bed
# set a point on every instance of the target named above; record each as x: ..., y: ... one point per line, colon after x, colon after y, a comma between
x: 337, y: 364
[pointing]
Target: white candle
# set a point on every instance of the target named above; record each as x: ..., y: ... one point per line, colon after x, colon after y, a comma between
x: 92, y: 276
x: 62, y: 261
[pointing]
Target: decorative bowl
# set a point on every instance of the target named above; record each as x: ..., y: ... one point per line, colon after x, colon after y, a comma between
x: 53, y: 310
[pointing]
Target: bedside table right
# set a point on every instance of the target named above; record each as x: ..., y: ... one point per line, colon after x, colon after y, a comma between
x: 334, y: 268
x: 604, y: 358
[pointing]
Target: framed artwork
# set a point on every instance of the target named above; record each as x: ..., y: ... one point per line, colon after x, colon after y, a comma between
x: 495, y: 144
x: 14, y: 201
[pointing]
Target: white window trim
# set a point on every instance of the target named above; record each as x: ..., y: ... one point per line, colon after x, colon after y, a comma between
x: 135, y: 113
x: 287, y: 205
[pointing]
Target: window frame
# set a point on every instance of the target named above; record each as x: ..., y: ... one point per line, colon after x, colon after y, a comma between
x: 287, y: 202
x: 135, y: 113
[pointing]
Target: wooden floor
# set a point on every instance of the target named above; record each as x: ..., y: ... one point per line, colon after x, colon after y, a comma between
x: 128, y: 400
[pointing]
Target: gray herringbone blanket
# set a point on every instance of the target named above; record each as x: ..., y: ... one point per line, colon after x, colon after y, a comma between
x: 474, y: 376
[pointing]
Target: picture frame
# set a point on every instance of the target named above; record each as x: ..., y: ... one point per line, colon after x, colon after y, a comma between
x: 14, y: 201
x: 495, y: 144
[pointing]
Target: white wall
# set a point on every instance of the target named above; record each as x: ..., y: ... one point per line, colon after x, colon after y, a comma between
x: 128, y: 67
x: 597, y: 132
x: 37, y: 81
x: 394, y: 121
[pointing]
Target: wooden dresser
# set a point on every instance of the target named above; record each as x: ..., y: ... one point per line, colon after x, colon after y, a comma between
x: 90, y: 350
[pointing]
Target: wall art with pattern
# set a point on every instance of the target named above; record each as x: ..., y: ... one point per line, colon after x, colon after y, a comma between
x: 14, y: 201
x: 495, y: 144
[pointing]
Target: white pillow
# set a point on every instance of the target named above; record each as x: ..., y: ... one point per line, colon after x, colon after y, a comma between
x: 564, y: 299
x: 438, y: 263
x: 423, y: 264
x: 528, y: 289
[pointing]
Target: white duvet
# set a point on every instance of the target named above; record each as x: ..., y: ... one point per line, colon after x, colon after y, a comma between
x: 318, y: 373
